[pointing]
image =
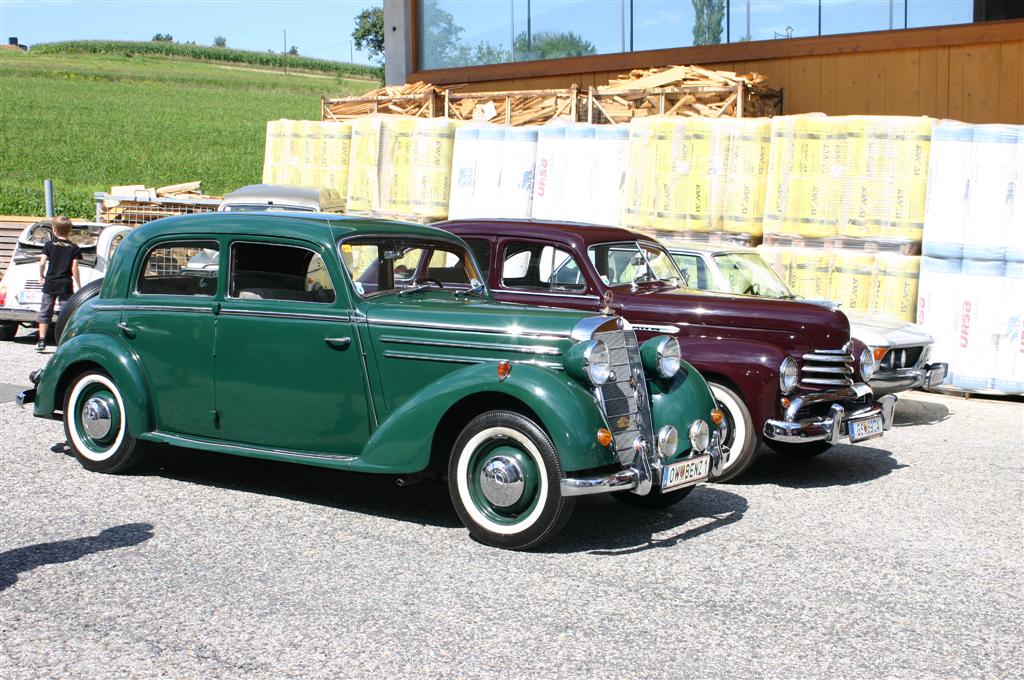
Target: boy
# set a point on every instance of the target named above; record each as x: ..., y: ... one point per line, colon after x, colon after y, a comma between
x: 63, y: 256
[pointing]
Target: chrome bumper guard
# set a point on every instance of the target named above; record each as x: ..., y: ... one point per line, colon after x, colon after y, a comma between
x: 831, y: 428
x: 936, y: 374
x: 638, y: 477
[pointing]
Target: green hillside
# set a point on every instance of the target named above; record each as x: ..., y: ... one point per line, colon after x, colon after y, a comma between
x: 90, y: 121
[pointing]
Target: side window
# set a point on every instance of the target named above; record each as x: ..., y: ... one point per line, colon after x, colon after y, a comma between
x: 180, y: 268
x: 482, y: 252
x: 264, y: 271
x: 541, y: 268
x: 693, y: 270
x: 448, y: 268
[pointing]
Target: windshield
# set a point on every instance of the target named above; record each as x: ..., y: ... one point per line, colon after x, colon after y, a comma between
x: 633, y: 262
x: 748, y: 274
x: 265, y: 207
x: 41, y: 233
x: 380, y: 264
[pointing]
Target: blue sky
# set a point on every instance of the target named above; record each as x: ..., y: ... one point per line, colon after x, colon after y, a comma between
x: 318, y: 28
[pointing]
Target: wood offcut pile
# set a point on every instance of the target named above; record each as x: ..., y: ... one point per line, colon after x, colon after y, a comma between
x: 682, y: 91
x: 135, y: 204
x: 412, y: 99
x: 515, y: 108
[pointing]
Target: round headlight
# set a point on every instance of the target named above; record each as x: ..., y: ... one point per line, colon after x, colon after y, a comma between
x: 596, y: 362
x: 669, y: 357
x: 867, y: 364
x: 668, y: 441
x: 700, y: 435
x: 788, y: 373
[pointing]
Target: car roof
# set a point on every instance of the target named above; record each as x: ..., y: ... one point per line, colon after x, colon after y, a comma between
x: 268, y: 193
x: 573, y: 234
x: 298, y: 224
x: 712, y: 248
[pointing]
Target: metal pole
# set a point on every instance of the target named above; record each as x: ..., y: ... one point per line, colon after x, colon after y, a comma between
x: 728, y: 18
x: 622, y: 25
x: 48, y: 195
x: 819, y: 17
x: 529, y: 28
x: 748, y: 19
x: 630, y: 25
x: 905, y: 12
x: 890, y: 15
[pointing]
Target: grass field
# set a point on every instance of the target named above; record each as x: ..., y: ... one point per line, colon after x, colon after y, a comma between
x: 92, y: 121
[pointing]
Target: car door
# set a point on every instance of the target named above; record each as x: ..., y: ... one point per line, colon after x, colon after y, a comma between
x: 168, y: 320
x: 540, y: 273
x: 289, y: 370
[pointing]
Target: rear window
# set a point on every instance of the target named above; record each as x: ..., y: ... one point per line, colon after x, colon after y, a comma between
x: 42, y: 232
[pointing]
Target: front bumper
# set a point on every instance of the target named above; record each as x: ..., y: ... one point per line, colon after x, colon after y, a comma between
x: 20, y: 314
x: 899, y: 380
x: 832, y: 427
x: 637, y: 478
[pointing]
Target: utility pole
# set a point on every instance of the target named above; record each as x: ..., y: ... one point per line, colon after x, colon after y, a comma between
x: 285, y: 50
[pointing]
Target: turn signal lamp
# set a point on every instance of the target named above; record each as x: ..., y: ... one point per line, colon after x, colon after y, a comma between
x: 504, y: 368
x: 880, y: 352
x: 3, y: 295
x: 604, y: 437
x: 717, y: 416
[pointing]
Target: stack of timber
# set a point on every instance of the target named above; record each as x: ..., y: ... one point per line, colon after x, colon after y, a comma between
x: 412, y: 99
x: 522, y: 107
x: 682, y: 91
x: 136, y: 204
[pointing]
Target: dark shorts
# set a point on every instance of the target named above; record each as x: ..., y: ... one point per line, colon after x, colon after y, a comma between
x: 47, y: 305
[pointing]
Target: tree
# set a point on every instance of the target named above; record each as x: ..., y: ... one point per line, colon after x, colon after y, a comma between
x: 294, y: 51
x: 220, y: 41
x: 483, y: 53
x: 707, y: 21
x: 160, y: 37
x: 441, y: 42
x: 369, y: 33
x: 551, y: 45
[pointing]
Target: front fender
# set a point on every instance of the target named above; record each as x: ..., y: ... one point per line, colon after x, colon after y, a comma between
x: 113, y: 356
x: 568, y: 412
x: 681, y: 400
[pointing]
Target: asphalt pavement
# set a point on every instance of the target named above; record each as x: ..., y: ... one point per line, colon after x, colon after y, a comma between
x: 901, y: 557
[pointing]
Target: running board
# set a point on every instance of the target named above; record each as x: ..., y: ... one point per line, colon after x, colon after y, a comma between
x: 331, y: 460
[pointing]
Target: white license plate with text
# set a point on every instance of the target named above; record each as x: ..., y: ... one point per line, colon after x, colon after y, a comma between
x: 866, y: 429
x: 685, y: 473
x: 31, y: 297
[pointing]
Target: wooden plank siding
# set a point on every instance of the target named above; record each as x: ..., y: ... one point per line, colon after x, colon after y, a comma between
x: 11, y: 227
x: 979, y: 80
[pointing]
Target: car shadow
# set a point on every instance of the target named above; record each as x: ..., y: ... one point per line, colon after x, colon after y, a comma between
x: 19, y: 560
x: 911, y: 412
x: 602, y: 525
x: 842, y: 465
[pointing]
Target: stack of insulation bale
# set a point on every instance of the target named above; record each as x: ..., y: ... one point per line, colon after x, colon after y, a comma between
x: 699, y: 179
x: 844, y: 208
x: 307, y: 153
x: 492, y: 170
x: 971, y: 295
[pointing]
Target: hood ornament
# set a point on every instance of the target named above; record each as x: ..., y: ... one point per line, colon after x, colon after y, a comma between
x: 606, y: 301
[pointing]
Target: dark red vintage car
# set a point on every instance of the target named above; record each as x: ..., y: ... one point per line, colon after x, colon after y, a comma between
x: 786, y: 373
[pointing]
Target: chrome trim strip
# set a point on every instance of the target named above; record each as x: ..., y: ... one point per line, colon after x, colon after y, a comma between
x: 826, y: 381
x: 852, y: 392
x: 654, y: 328
x: 152, y: 308
x: 587, y: 328
x: 831, y: 358
x: 195, y: 441
x: 342, y: 317
x: 621, y: 480
x: 466, y: 360
x: 840, y: 370
x: 522, y: 349
x: 575, y: 296
x: 549, y: 335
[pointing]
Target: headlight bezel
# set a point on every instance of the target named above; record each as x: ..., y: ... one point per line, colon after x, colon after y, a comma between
x: 667, y: 441
x: 868, y: 368
x: 700, y: 436
x: 662, y: 356
x: 789, y: 375
x: 589, y: 362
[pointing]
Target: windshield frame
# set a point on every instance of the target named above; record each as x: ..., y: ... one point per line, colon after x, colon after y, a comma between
x: 639, y: 244
x: 780, y: 283
x: 431, y: 243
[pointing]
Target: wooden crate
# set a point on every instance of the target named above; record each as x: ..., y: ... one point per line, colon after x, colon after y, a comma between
x: 135, y: 210
x: 415, y: 99
x: 516, y: 107
x: 736, y: 101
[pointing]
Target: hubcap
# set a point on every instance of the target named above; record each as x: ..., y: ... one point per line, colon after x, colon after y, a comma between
x: 501, y: 481
x: 96, y: 418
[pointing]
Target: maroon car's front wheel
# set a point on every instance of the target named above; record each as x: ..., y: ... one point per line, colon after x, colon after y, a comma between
x: 737, y: 432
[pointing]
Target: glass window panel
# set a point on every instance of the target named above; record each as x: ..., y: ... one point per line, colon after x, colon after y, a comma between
x: 180, y: 268
x: 266, y: 271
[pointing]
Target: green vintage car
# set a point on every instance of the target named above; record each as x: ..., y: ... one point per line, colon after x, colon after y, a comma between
x: 373, y: 346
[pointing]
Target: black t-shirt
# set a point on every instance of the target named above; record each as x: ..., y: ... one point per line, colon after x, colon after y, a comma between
x: 59, y: 254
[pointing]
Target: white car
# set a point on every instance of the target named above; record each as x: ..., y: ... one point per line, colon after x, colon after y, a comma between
x: 900, y: 348
x: 21, y: 289
x: 282, y: 197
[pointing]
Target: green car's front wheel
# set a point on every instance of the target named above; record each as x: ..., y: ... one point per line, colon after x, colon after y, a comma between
x: 96, y: 426
x: 504, y: 477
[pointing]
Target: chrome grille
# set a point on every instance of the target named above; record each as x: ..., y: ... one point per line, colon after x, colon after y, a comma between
x: 902, y: 357
x: 827, y: 368
x: 624, y: 398
x: 33, y: 284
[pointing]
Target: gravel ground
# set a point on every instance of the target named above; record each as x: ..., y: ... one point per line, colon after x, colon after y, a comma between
x: 900, y: 558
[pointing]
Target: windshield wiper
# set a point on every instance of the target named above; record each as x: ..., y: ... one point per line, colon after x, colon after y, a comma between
x: 419, y: 287
x: 474, y: 290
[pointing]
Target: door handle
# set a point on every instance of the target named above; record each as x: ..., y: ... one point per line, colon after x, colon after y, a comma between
x: 126, y: 329
x: 339, y: 343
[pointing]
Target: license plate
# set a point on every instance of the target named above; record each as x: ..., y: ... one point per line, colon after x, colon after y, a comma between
x: 866, y: 429
x: 30, y: 297
x: 936, y: 376
x: 685, y: 473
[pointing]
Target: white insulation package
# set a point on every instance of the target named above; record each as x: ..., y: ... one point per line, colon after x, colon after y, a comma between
x: 971, y: 290
x: 492, y: 171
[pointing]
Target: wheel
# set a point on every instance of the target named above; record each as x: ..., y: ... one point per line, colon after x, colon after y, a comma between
x: 808, y: 450
x: 95, y: 425
x: 737, y: 432
x: 86, y: 292
x: 504, y: 477
x: 653, y: 500
x: 8, y: 330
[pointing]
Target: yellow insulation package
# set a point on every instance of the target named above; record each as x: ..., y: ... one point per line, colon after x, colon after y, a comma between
x: 395, y: 166
x: 307, y: 153
x: 363, y: 193
x: 810, y: 272
x: 430, y: 179
x: 688, y: 168
x: 336, y: 139
x: 853, y: 273
x: 895, y: 292
x: 638, y: 189
x: 742, y: 193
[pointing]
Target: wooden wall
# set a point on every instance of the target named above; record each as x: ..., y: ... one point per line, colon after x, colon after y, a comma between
x: 966, y: 73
